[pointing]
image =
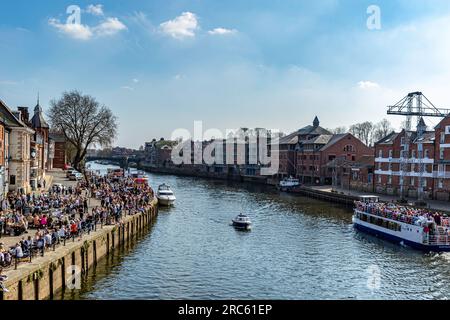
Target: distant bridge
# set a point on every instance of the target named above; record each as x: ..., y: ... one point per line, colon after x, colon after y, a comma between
x: 122, y: 161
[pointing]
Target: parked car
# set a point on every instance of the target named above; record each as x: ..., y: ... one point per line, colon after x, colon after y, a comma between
x: 69, y: 172
x: 75, y: 176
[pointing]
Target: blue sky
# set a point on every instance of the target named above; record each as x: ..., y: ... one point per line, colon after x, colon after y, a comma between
x: 161, y: 65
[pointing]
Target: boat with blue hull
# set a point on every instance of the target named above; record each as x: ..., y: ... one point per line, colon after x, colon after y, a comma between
x: 416, y: 228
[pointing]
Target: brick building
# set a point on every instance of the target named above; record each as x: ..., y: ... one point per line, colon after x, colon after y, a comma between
x: 398, y: 164
x: 289, y: 144
x: 307, y: 153
x: 58, y: 141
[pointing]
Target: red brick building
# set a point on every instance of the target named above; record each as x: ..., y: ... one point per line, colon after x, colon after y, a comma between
x: 59, y: 150
x: 314, y: 155
x: 398, y: 163
x: 307, y: 153
x: 289, y: 144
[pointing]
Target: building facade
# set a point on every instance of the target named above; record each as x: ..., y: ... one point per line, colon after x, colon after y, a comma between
x: 410, y: 163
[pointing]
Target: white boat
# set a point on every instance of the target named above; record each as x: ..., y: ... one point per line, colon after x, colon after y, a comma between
x: 416, y: 228
x: 165, y: 195
x: 289, y: 183
x: 242, y: 222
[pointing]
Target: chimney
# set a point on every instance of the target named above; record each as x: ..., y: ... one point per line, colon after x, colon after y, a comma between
x: 25, y: 115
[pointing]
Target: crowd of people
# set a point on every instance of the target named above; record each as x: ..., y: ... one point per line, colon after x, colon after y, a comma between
x: 414, y: 216
x: 62, y: 213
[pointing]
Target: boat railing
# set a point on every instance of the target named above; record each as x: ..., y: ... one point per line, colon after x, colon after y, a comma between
x: 438, y: 240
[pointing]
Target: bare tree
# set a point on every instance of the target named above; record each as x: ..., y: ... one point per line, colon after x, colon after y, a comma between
x: 84, y: 122
x: 382, y: 129
x: 363, y: 131
x: 338, y: 130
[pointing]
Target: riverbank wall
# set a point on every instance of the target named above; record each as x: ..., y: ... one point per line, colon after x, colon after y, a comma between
x: 62, y: 268
x: 196, y: 172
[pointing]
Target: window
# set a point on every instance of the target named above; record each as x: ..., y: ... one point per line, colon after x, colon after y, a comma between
x: 427, y: 153
x: 413, y: 154
x: 447, y: 130
x: 424, y: 183
x: 402, y: 141
x: 442, y: 137
x: 379, y: 165
x: 349, y: 148
x: 12, y: 179
x: 441, y: 184
x: 390, y: 153
x: 379, y: 179
x: 380, y: 154
x: 441, y: 154
x: 390, y: 167
x: 413, y: 182
x: 389, y: 179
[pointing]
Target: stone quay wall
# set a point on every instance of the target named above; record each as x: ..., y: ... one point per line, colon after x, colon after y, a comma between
x: 42, y: 278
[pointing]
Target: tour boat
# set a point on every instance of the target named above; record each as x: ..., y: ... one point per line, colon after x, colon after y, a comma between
x: 416, y: 228
x: 165, y: 195
x: 288, y: 183
x: 139, y: 177
x: 242, y: 222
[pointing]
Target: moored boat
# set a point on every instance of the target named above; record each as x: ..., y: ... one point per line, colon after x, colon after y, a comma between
x: 242, y: 222
x: 288, y: 183
x: 417, y: 228
x: 165, y: 195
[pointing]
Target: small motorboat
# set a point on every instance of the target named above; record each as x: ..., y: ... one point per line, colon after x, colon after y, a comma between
x: 165, y: 195
x: 242, y: 222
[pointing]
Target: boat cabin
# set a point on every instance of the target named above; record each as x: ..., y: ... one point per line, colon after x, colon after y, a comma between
x: 369, y: 199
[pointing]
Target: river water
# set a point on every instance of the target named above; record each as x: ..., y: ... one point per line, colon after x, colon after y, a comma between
x: 299, y: 248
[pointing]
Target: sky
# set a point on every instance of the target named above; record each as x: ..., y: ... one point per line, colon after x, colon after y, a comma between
x: 160, y: 65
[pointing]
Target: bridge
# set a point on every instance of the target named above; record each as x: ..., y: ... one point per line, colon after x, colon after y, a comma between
x: 122, y: 161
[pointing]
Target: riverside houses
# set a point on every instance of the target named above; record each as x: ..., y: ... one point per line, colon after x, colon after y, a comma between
x: 307, y: 153
x: 394, y: 163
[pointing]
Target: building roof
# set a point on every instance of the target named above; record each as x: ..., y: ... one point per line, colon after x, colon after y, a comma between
x: 334, y: 138
x: 38, y: 120
x: 389, y: 139
x: 57, y: 137
x: 8, y: 117
x: 315, y: 129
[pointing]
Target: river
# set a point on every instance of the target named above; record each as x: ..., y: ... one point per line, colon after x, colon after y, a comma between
x: 299, y: 248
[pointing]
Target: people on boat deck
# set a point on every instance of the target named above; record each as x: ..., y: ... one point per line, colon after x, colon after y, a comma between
x: 404, y: 214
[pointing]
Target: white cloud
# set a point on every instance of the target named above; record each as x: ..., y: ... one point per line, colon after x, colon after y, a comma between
x: 368, y: 85
x: 135, y: 80
x: 222, y: 31
x: 96, y: 10
x: 109, y: 27
x: 73, y: 30
x: 127, y: 88
x: 183, y: 26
